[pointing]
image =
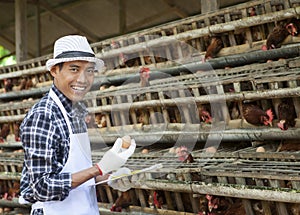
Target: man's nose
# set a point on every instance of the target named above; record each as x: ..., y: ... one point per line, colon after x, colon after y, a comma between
x: 82, y: 76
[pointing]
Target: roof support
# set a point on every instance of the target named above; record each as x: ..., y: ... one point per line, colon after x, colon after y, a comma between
x: 38, y: 29
x: 209, y: 5
x: 21, y: 30
x: 122, y: 17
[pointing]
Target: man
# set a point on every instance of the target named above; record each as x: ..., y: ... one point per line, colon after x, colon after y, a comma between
x: 58, y: 174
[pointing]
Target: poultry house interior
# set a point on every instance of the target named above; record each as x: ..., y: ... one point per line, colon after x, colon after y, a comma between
x: 213, y: 97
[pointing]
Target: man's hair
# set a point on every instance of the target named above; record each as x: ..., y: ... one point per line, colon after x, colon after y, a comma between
x: 60, y: 65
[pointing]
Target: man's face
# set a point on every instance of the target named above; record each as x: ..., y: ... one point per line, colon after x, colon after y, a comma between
x: 75, y: 78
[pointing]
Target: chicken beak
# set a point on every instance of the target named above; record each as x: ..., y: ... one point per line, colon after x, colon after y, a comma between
x: 270, y: 123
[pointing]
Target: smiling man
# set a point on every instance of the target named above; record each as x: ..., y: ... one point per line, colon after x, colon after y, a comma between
x: 58, y: 171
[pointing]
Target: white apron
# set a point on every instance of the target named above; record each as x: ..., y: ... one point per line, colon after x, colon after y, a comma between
x: 82, y: 199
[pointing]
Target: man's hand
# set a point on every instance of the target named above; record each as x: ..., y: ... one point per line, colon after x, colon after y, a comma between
x: 116, y: 157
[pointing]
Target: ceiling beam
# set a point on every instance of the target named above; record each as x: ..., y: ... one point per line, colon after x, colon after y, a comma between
x: 148, y: 19
x: 172, y: 8
x: 69, y: 21
x: 8, y: 42
x: 177, y: 10
x: 122, y: 17
x: 7, y: 1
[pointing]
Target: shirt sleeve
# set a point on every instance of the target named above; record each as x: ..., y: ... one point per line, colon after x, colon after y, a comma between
x: 44, y: 157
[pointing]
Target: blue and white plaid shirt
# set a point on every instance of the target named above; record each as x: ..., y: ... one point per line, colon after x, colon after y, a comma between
x: 45, y: 139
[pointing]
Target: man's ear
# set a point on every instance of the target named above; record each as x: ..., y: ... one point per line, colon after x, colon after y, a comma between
x: 54, y: 70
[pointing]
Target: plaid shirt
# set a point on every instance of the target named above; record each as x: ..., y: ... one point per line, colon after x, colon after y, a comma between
x: 45, y: 139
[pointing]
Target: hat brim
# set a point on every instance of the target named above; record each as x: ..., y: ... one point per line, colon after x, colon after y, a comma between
x: 99, y: 64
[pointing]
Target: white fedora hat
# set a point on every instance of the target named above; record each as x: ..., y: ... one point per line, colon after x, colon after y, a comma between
x: 73, y: 48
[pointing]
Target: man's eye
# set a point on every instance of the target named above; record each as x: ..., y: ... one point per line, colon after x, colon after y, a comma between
x: 91, y: 70
x: 74, y: 69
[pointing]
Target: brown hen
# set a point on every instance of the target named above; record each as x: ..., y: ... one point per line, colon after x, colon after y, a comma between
x: 286, y: 114
x: 213, y: 49
x: 8, y: 85
x: 123, y: 201
x: 5, y: 130
x: 254, y: 115
x: 281, y: 31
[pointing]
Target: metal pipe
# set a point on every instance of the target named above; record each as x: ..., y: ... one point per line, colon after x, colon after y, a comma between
x: 236, y: 191
x: 217, y: 63
x: 155, y: 133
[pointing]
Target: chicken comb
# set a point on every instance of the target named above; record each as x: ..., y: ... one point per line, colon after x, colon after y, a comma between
x: 114, y: 44
x: 208, y: 197
x: 290, y: 25
x: 144, y: 69
x: 270, y: 115
x: 183, y: 148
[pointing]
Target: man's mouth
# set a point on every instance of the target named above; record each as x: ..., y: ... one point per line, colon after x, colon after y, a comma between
x: 78, y: 88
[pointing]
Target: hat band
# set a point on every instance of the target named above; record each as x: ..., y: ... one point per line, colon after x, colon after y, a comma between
x: 70, y: 54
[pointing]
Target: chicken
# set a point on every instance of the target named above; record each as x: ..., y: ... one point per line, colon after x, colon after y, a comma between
x: 100, y: 120
x: 126, y: 60
x: 25, y: 84
x: 123, y: 201
x: 143, y: 117
x: 288, y: 145
x: 286, y: 114
x: 235, y: 113
x: 212, y: 202
x: 17, y: 131
x: 276, y: 37
x: 236, y: 208
x: 157, y: 199
x: 204, y: 115
x: 184, y: 155
x: 142, y: 114
x: 90, y: 121
x: 122, y: 57
x: 254, y: 115
x: 293, y: 26
x: 214, y: 47
x: 252, y: 11
x: 203, y: 206
x: 147, y: 59
x: 5, y: 130
x: 8, y: 85
x: 280, y: 32
x: 29, y: 84
x: 144, y: 77
x: 256, y: 30
x: 13, y: 191
x: 295, y: 209
x: 233, y: 106
x: 22, y: 85
x: 213, y: 205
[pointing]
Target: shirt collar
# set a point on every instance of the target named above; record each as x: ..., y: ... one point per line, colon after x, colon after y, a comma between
x: 73, y: 109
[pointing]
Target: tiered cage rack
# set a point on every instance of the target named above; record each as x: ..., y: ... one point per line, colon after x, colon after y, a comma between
x: 166, y: 113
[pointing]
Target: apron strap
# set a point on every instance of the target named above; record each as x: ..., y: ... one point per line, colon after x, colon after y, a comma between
x: 35, y: 206
x: 62, y: 109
